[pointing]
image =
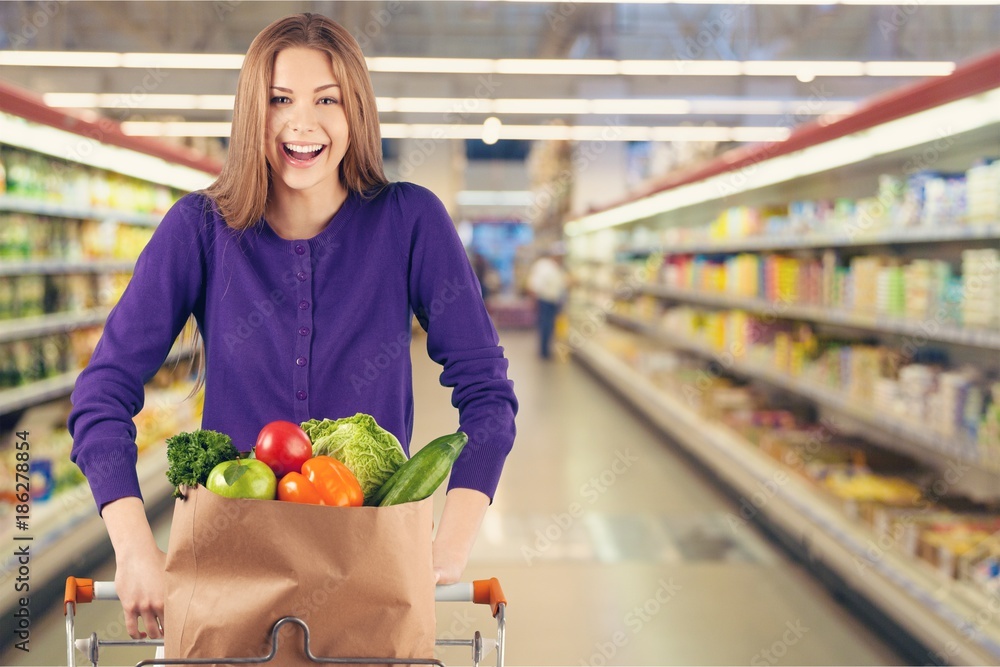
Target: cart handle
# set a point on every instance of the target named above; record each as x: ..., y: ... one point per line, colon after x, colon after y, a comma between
x: 488, y: 591
x: 483, y: 591
x: 78, y: 591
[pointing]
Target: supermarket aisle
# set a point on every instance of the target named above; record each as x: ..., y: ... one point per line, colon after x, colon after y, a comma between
x: 610, y: 548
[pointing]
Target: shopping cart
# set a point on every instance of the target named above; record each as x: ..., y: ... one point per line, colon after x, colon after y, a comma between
x: 485, y: 591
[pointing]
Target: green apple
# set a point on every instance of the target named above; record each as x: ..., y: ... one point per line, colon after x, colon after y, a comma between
x: 243, y: 478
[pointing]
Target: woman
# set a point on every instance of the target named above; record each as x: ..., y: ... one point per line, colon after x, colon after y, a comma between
x: 303, y: 267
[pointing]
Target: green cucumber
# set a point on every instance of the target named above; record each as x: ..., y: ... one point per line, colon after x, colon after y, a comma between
x: 422, y: 474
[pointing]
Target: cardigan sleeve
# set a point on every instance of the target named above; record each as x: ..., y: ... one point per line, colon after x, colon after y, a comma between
x: 166, y: 285
x: 446, y: 298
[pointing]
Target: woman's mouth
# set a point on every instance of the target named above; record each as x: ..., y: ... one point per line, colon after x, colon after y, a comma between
x: 302, y: 154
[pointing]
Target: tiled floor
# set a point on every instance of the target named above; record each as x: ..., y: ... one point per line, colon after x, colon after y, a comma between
x: 611, y: 549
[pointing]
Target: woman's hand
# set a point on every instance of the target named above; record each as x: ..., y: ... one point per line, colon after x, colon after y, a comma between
x: 141, y: 566
x: 139, y: 583
x: 463, y: 513
x: 448, y: 565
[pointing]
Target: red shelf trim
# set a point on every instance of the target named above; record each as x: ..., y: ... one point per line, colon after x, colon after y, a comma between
x: 971, y: 78
x: 30, y: 106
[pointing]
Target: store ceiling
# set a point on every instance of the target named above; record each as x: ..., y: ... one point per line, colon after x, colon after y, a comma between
x: 567, y: 31
x: 509, y: 30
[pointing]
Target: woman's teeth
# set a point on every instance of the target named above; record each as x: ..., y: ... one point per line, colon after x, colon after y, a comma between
x: 303, y: 152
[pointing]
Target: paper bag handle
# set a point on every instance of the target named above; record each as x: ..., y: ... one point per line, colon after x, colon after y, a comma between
x: 488, y: 591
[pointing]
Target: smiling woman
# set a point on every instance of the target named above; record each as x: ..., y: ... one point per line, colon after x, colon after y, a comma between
x: 293, y: 64
x: 303, y: 232
x: 306, y: 140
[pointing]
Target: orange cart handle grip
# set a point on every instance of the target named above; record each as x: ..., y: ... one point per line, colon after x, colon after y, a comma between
x: 488, y: 591
x: 78, y: 591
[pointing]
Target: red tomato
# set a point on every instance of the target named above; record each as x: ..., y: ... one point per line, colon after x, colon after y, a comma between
x: 283, y: 446
x: 334, y: 481
x: 296, y: 488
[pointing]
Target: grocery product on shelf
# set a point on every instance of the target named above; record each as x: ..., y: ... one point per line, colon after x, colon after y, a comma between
x: 983, y: 192
x: 899, y: 500
x: 33, y: 176
x: 869, y: 285
x: 960, y: 403
x: 924, y: 199
x: 56, y: 482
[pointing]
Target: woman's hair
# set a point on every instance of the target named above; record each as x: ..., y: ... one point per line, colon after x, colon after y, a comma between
x: 242, y: 189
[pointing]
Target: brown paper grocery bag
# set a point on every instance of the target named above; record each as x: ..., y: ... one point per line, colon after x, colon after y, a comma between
x: 361, y: 578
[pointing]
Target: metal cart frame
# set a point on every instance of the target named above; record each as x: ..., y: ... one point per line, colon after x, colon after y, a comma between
x: 484, y: 591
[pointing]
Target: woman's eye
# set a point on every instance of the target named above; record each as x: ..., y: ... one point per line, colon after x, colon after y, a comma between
x: 329, y: 100
x: 279, y: 99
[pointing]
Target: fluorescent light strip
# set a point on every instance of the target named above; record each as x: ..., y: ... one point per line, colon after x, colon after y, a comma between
x: 457, y: 105
x: 522, y: 132
x: 950, y: 119
x: 494, y: 198
x: 541, y: 66
x: 797, y: 68
x: 945, y: 3
x: 65, y: 145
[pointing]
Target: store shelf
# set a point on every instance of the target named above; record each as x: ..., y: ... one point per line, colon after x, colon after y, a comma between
x: 906, y: 235
x: 980, y: 338
x: 55, y: 210
x: 50, y: 389
x: 67, y: 526
x: 54, y: 266
x: 899, y: 124
x: 941, y: 612
x: 43, y: 325
x: 960, y: 449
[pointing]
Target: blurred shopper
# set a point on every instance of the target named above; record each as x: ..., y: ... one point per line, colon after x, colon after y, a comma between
x: 548, y: 282
x: 484, y: 273
x: 302, y: 234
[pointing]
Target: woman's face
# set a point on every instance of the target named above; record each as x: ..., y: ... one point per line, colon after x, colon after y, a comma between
x: 307, y: 132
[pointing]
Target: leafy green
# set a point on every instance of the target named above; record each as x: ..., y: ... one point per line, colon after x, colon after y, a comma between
x: 193, y: 455
x: 369, y: 451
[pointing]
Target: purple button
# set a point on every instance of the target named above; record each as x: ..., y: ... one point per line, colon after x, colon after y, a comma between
x: 301, y: 275
x: 303, y: 305
x: 301, y: 361
x: 303, y: 331
x: 301, y: 395
x: 300, y: 249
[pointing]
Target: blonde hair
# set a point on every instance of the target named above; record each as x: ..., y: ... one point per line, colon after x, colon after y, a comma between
x: 242, y: 189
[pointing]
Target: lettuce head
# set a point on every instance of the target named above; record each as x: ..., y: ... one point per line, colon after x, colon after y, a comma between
x: 368, y: 450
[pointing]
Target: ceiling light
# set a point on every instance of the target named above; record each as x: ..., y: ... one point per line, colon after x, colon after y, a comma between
x: 493, y: 127
x: 908, y: 68
x: 494, y: 198
x: 576, y: 67
x: 543, y: 106
x: 60, y: 144
x: 458, y: 105
x: 825, y: 3
x: 431, y: 65
x: 557, y: 67
x: 681, y: 67
x: 221, y: 61
x: 922, y: 127
x: 795, y: 68
x: 491, y: 130
x: 60, y: 59
x: 175, y: 129
x: 641, y: 106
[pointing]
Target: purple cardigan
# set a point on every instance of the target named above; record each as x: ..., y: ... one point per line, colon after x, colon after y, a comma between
x: 297, y: 330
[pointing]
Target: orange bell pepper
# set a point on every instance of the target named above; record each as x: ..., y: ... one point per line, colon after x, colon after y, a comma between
x: 334, y: 482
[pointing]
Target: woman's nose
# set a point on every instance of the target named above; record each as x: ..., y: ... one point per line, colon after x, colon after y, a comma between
x: 301, y: 119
